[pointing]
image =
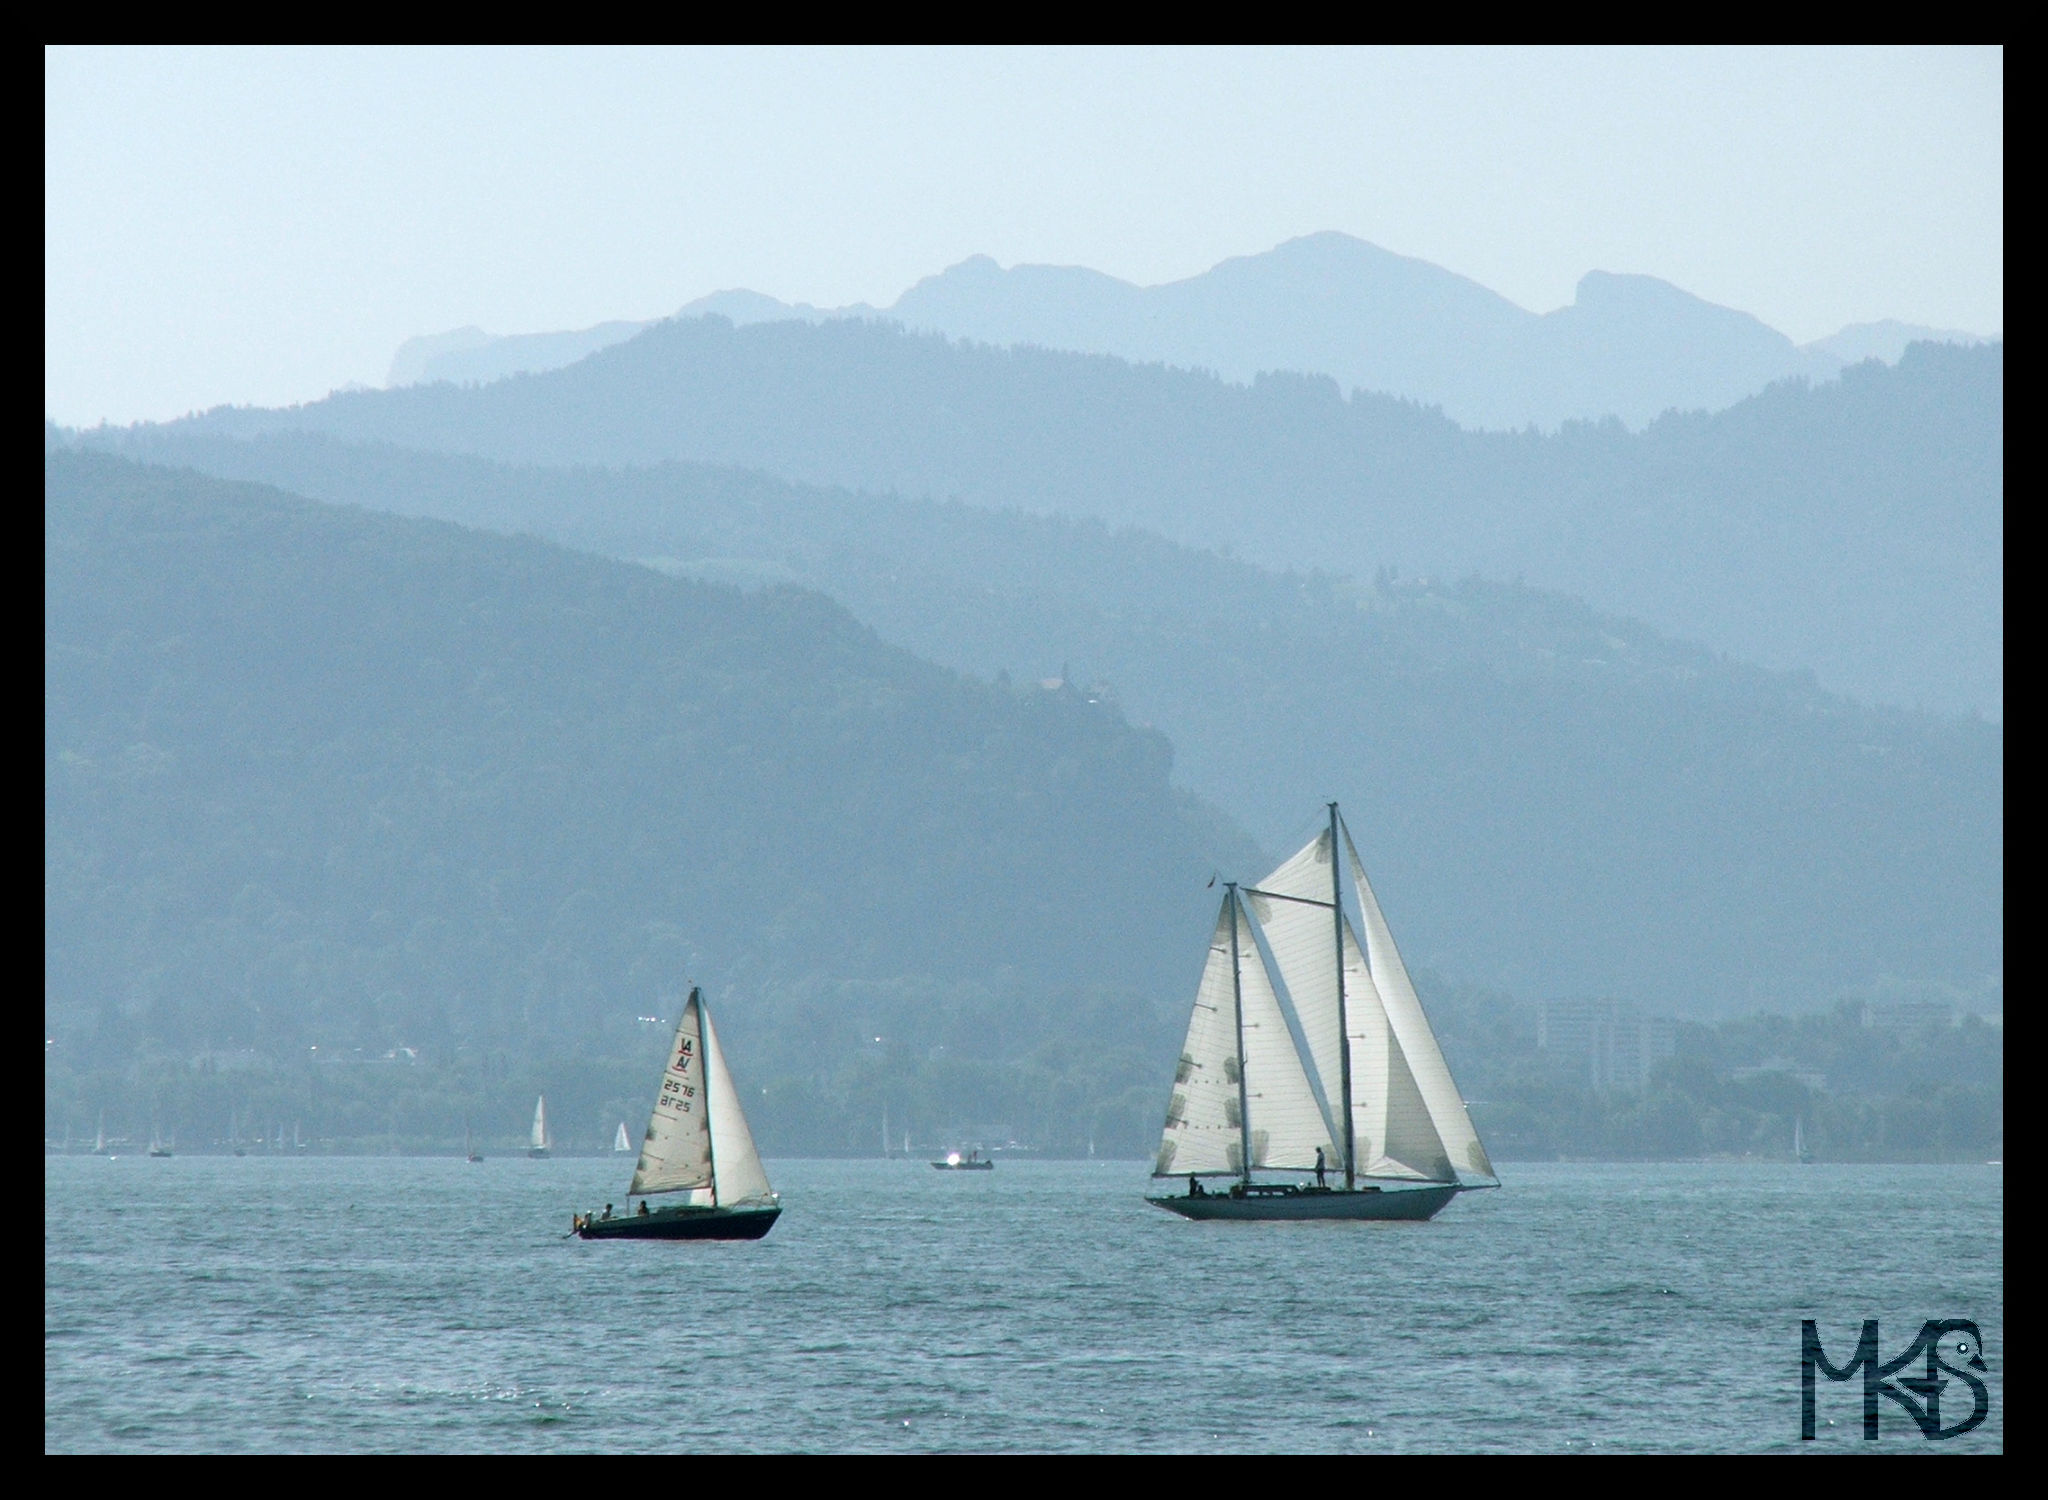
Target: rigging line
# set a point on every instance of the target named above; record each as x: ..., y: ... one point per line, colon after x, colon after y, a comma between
x: 1252, y: 890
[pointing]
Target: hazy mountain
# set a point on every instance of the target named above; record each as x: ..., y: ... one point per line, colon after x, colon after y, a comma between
x: 1552, y: 800
x: 316, y: 777
x: 469, y: 354
x: 1886, y: 340
x: 1855, y: 527
x: 1628, y: 346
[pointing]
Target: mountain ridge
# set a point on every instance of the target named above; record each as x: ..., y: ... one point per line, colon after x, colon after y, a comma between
x: 1628, y: 345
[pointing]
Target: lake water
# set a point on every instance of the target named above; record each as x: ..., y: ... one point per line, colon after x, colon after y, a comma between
x: 390, y: 1304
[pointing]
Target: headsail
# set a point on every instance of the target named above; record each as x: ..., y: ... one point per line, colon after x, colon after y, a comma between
x: 1202, y: 1133
x: 676, y: 1152
x: 736, y: 1172
x: 1416, y: 1044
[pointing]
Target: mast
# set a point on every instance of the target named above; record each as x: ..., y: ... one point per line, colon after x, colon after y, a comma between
x: 704, y: 1086
x: 1244, y: 1118
x: 1343, y: 1023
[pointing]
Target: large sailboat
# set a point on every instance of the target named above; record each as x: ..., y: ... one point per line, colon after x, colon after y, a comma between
x: 697, y: 1143
x: 542, y: 1141
x: 1350, y: 1086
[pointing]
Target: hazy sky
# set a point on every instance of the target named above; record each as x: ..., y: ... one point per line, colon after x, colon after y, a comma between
x: 257, y: 226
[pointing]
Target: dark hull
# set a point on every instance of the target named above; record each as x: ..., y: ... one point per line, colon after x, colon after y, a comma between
x: 683, y: 1224
x: 1310, y: 1204
x: 965, y: 1166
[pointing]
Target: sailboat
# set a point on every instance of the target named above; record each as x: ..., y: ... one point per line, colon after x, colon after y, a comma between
x: 99, y: 1140
x: 542, y: 1141
x: 620, y: 1145
x: 157, y: 1146
x: 1364, y: 1094
x: 697, y: 1143
x: 469, y: 1150
x: 1799, y: 1151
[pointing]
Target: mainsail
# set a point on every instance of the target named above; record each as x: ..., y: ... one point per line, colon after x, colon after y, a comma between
x: 1240, y: 1083
x: 541, y: 1139
x: 1202, y: 1125
x: 676, y: 1152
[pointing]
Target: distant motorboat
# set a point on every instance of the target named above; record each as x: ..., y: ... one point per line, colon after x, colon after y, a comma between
x: 973, y: 1161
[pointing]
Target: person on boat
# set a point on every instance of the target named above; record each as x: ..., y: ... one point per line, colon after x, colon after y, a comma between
x: 607, y: 1210
x: 643, y: 1205
x: 1319, y: 1167
x: 1194, y: 1187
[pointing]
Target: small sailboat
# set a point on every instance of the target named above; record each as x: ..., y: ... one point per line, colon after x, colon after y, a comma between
x: 542, y: 1141
x: 99, y: 1140
x: 469, y: 1151
x: 1365, y: 1094
x: 697, y: 1143
x: 620, y: 1145
x: 973, y: 1161
x: 158, y: 1146
x: 1799, y: 1151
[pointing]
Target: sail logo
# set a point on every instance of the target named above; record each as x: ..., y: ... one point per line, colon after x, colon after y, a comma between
x: 1940, y: 1340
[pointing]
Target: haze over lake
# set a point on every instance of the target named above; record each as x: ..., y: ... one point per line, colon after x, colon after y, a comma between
x: 942, y: 557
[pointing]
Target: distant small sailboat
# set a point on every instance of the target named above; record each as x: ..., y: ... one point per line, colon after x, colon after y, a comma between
x: 1799, y: 1151
x: 619, y: 1142
x: 99, y: 1140
x: 542, y: 1140
x: 1367, y: 1094
x: 973, y: 1161
x: 698, y: 1143
x: 469, y: 1150
x: 157, y: 1145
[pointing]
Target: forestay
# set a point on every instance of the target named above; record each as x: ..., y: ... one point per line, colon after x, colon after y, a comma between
x: 736, y: 1172
x: 676, y: 1153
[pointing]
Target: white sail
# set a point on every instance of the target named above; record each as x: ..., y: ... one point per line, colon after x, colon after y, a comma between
x: 1302, y: 936
x: 619, y: 1141
x: 1395, y: 1133
x: 1201, y: 1133
x: 1424, y: 1070
x: 99, y: 1140
x: 736, y: 1172
x: 676, y: 1153
x: 1288, y: 1126
x: 542, y: 1140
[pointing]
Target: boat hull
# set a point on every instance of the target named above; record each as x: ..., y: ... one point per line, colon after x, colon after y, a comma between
x: 688, y: 1223
x: 964, y: 1166
x: 1313, y: 1204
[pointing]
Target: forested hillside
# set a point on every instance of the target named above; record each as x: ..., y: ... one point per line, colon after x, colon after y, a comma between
x: 1553, y: 801
x: 1854, y: 527
x: 319, y: 781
